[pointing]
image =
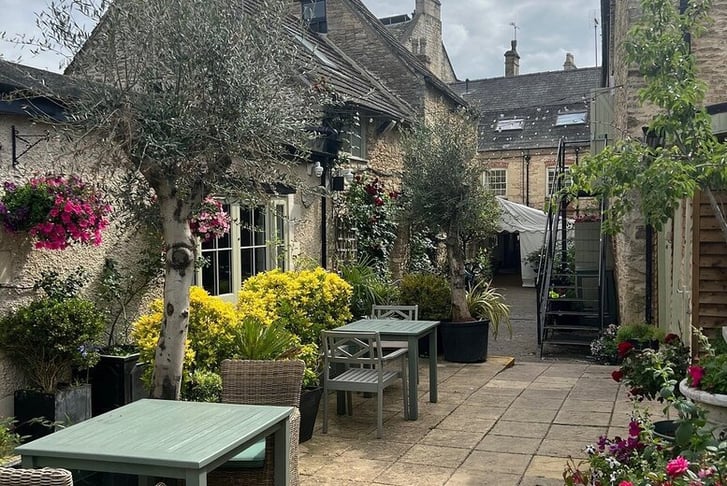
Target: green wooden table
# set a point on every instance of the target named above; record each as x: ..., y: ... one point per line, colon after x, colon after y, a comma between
x: 161, y: 438
x: 411, y: 331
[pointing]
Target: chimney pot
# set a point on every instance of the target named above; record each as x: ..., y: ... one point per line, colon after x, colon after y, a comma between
x: 569, y: 62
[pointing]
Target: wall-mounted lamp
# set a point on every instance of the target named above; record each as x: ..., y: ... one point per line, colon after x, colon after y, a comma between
x: 315, y: 169
x: 347, y: 175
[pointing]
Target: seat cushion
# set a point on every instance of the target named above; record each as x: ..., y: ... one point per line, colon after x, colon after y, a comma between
x: 251, y: 458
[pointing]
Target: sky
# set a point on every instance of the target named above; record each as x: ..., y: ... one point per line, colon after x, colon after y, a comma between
x: 476, y: 32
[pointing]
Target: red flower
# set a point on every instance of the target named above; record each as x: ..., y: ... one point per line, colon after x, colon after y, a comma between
x: 636, y: 392
x: 624, y: 348
x: 617, y: 375
x: 677, y: 466
x: 696, y: 373
x: 625, y: 483
x: 378, y: 201
x: 671, y: 338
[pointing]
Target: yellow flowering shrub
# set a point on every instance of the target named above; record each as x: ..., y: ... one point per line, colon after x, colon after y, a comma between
x: 305, y: 301
x: 210, y: 337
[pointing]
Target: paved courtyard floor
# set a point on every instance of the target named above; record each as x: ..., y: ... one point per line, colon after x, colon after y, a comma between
x: 497, y: 423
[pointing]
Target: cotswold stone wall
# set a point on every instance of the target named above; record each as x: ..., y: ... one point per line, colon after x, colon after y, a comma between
x: 425, y: 41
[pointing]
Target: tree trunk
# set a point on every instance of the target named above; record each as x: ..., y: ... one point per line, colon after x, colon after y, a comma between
x: 455, y: 257
x: 179, y: 273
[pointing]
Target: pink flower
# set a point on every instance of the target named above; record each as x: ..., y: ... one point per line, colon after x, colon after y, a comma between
x: 625, y: 483
x: 677, y: 466
x: 696, y: 373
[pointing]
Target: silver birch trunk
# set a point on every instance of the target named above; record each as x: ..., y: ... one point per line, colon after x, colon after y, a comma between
x: 179, y: 274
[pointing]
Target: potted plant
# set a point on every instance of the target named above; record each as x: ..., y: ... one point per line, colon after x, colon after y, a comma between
x: 706, y: 381
x: 116, y: 378
x: 47, y: 339
x: 486, y: 303
x: 441, y: 183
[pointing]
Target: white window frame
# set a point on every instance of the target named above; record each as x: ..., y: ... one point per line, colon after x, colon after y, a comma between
x: 277, y: 253
x: 509, y: 125
x: 354, y: 138
x: 551, y: 177
x: 487, y: 181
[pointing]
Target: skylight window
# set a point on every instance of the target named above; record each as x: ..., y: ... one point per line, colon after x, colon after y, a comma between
x: 315, y: 51
x: 514, y: 124
x: 575, y: 118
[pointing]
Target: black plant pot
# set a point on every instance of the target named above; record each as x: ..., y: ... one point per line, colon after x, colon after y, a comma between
x: 666, y: 429
x: 116, y: 382
x: 37, y: 412
x: 465, y: 342
x: 310, y: 399
x: 424, y: 344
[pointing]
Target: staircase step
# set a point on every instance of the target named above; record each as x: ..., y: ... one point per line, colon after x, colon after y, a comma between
x: 572, y: 327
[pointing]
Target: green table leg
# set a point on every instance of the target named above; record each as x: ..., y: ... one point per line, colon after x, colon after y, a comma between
x: 433, y: 365
x: 413, y: 360
x: 281, y: 454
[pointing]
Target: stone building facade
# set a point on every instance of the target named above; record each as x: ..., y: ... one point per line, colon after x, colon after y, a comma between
x: 629, y: 116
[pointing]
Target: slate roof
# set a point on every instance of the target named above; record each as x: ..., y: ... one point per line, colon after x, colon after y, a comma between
x: 537, y: 99
x: 407, y: 58
x: 16, y: 78
x: 351, y: 82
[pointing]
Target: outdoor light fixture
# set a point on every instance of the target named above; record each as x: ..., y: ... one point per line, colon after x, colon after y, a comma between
x: 315, y: 169
x: 347, y: 175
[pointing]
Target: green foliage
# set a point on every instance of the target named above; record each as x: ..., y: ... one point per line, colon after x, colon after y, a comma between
x: 640, y: 333
x: 485, y: 302
x: 306, y: 302
x: 659, y: 178
x: 203, y: 386
x: 430, y: 292
x: 9, y: 440
x: 372, y: 210
x: 59, y: 288
x: 368, y: 287
x: 655, y: 374
x: 256, y: 340
x: 440, y: 182
x: 712, y: 362
x: 47, y: 337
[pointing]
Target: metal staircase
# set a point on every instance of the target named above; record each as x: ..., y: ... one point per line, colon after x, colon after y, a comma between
x: 575, y: 284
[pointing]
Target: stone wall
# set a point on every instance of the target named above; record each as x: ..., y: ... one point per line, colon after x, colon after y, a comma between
x: 424, y: 40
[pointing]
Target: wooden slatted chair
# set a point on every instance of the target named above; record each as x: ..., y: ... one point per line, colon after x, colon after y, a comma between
x: 354, y: 361
x: 34, y: 477
x: 256, y: 382
x: 408, y: 312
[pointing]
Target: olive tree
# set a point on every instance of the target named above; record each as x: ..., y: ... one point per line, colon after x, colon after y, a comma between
x: 633, y: 175
x: 441, y: 182
x: 190, y: 98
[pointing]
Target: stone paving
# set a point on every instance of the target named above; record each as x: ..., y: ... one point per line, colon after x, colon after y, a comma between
x: 496, y: 423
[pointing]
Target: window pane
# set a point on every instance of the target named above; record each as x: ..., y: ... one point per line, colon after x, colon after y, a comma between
x: 208, y: 273
x: 260, y: 230
x: 247, y: 265
x: 224, y: 282
x: 261, y: 263
x: 245, y: 227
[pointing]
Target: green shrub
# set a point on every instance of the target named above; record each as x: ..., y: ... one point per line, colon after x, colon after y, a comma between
x: 430, y: 292
x: 368, y: 288
x: 47, y: 337
x: 203, y: 386
x: 9, y: 440
x: 641, y: 333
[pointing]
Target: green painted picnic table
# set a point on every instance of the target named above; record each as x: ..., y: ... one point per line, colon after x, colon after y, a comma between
x: 411, y: 331
x: 163, y: 438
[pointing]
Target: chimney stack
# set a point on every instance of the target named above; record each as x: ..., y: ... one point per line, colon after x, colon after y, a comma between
x: 569, y: 62
x: 433, y: 8
x: 512, y: 61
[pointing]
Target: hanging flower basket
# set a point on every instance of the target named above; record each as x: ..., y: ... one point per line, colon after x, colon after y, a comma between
x: 210, y: 221
x: 56, y: 211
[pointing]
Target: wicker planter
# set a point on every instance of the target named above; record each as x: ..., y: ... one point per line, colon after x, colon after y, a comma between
x: 715, y: 405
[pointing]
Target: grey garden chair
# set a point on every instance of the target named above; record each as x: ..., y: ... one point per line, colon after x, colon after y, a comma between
x: 258, y: 382
x: 354, y: 361
x: 407, y: 312
x: 34, y: 477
